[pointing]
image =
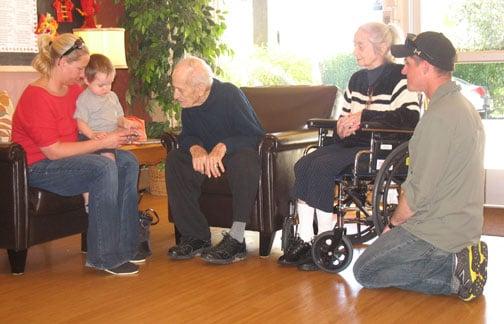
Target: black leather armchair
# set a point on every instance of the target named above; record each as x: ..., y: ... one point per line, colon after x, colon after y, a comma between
x: 30, y: 216
x: 283, y: 112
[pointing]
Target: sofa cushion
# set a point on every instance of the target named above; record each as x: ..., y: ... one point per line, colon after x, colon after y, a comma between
x: 47, y: 203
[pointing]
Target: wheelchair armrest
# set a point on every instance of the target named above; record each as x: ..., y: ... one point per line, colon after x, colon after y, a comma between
x: 378, y: 127
x: 323, y: 123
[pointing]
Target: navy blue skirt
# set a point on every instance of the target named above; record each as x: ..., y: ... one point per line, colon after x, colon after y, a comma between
x: 316, y: 173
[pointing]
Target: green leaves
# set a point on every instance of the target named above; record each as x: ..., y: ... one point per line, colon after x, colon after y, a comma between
x: 159, y: 33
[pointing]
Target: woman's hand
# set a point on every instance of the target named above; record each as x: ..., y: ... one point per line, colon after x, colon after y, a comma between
x: 61, y: 150
x: 115, y: 139
x: 348, y: 125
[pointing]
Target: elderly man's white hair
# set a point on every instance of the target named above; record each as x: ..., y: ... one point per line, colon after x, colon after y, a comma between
x: 198, y: 72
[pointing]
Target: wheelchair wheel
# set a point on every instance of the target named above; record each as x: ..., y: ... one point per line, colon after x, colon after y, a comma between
x: 387, y: 186
x: 330, y: 255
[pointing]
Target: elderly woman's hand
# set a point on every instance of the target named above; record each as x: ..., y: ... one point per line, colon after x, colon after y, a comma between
x: 348, y: 125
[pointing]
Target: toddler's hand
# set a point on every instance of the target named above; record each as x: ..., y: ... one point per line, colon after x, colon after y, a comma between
x: 129, y: 124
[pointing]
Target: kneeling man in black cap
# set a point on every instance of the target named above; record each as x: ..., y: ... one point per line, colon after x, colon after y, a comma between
x: 432, y: 242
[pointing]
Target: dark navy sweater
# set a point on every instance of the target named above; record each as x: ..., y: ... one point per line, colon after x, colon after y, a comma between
x: 225, y: 117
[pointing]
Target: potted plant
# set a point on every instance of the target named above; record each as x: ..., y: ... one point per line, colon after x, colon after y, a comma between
x: 159, y: 32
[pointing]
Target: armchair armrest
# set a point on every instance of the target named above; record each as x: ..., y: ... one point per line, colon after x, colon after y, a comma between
x: 278, y: 153
x: 12, y: 166
x: 13, y: 201
x: 169, y: 141
x: 288, y: 139
x: 277, y: 141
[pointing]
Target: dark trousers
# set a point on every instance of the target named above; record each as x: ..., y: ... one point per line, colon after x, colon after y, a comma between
x: 184, y: 189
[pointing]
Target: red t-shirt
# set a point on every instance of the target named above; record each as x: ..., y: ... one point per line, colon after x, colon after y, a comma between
x: 42, y: 119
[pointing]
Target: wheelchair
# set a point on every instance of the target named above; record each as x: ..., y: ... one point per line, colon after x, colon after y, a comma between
x: 366, y: 194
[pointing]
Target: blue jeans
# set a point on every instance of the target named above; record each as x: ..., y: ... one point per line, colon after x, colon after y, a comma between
x: 113, y: 229
x: 402, y: 260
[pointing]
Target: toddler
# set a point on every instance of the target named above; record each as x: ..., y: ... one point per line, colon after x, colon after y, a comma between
x: 98, y: 109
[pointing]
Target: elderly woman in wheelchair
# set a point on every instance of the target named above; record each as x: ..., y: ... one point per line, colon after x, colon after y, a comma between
x: 375, y: 94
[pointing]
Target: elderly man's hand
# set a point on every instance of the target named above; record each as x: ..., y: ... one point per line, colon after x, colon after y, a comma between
x: 199, y: 158
x: 215, y: 167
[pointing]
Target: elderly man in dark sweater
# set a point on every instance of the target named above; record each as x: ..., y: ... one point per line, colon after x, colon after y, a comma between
x: 220, y: 134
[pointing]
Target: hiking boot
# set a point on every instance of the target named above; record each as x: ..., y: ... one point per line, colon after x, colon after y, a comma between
x: 295, y: 252
x: 471, y: 270
x: 227, y: 251
x: 188, y: 248
x: 124, y: 269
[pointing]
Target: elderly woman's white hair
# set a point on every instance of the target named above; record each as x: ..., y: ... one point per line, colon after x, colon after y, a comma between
x: 381, y: 34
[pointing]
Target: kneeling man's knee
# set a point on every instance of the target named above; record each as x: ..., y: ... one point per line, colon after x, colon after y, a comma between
x: 360, y: 273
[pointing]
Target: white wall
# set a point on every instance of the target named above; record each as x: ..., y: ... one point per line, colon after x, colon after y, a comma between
x: 494, y: 162
x: 494, y: 188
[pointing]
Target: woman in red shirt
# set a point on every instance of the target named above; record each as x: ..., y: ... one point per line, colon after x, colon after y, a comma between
x: 44, y: 126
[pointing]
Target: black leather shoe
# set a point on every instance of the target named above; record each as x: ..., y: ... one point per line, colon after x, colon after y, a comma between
x: 188, y: 248
x: 295, y: 252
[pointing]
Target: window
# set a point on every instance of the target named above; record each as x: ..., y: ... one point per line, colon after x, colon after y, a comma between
x: 471, y: 26
x: 293, y: 41
x: 311, y: 42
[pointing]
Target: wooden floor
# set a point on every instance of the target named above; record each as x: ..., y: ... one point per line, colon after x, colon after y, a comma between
x: 57, y: 288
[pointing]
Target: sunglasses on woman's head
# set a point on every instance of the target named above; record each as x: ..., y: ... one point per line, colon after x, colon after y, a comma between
x: 78, y: 44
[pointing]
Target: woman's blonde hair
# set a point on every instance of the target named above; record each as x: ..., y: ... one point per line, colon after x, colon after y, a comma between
x: 51, y: 50
x: 382, y: 34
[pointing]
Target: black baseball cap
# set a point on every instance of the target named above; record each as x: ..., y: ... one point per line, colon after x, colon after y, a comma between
x: 433, y: 47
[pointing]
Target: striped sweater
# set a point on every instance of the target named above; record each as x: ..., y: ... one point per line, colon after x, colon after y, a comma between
x: 387, y: 101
